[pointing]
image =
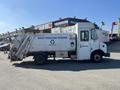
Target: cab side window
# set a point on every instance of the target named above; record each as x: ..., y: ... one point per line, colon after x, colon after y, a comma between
x: 84, y: 36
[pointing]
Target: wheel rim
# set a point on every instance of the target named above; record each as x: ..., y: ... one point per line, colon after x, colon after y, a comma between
x: 97, y: 57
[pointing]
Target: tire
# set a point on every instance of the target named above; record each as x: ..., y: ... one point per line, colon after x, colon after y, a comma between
x: 96, y: 57
x: 40, y: 59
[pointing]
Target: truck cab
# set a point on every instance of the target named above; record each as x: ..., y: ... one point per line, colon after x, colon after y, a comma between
x: 88, y: 44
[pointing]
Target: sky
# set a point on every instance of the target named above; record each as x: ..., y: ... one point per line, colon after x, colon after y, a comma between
x: 24, y: 13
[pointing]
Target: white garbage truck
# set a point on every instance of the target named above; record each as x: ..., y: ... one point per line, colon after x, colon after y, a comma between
x: 82, y: 44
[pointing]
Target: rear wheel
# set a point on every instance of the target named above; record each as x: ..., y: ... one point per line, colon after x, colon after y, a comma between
x: 96, y: 57
x: 40, y: 59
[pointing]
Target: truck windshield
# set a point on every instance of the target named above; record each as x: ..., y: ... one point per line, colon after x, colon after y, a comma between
x: 93, y: 34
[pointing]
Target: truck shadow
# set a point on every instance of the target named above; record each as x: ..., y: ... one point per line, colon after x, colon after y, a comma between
x: 64, y: 65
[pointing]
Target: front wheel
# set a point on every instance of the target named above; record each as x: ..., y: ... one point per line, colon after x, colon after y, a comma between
x: 96, y: 57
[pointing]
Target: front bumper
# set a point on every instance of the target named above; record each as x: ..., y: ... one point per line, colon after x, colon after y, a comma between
x: 107, y: 54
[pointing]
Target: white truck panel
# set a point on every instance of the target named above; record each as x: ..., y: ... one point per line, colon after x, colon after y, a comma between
x: 53, y: 42
x: 56, y: 30
x: 70, y: 29
x: 85, y: 25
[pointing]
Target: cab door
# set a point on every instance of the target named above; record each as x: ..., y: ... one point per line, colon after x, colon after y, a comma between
x: 83, y: 45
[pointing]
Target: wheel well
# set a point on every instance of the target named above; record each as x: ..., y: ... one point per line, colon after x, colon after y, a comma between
x: 98, y: 51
